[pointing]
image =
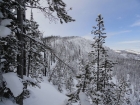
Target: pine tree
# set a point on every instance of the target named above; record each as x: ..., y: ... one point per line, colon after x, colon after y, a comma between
x: 102, y: 89
x: 9, y: 50
x: 34, y: 49
x: 84, y: 77
x: 123, y: 91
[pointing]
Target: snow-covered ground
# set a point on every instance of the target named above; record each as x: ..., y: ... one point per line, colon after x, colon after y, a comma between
x: 4, y: 31
x: 7, y: 102
x: 46, y: 95
x: 13, y: 82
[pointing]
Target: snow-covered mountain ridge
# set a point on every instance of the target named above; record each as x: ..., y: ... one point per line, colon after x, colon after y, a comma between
x: 129, y: 54
x: 76, y: 44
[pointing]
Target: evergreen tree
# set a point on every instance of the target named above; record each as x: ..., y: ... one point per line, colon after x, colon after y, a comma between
x: 9, y: 48
x: 102, y: 87
x: 34, y: 49
x: 84, y: 80
x: 123, y: 91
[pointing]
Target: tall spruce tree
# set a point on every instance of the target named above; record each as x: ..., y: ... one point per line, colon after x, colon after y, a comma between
x: 9, y: 50
x: 102, y: 90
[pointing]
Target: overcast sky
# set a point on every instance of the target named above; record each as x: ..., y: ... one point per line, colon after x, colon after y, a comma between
x: 121, y: 20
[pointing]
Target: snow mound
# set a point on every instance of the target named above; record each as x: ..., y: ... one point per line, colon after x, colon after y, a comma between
x: 6, y: 22
x: 7, y: 102
x: 4, y: 31
x: 47, y: 95
x: 84, y: 99
x: 13, y: 83
x: 31, y: 80
x: 1, y: 15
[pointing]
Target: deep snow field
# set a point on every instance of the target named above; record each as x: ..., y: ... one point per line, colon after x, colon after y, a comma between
x: 46, y: 95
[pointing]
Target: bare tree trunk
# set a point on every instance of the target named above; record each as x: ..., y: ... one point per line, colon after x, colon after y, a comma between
x: 98, y: 62
x: 24, y: 52
x: 28, y: 65
x: 45, y: 58
x: 45, y: 63
x: 20, y: 56
x: 84, y: 85
x: 29, y: 58
x: 1, y: 78
x: 24, y: 68
x: 20, y: 38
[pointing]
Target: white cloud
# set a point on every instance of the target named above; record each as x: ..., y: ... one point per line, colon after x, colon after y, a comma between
x: 130, y: 42
x: 129, y: 45
x: 117, y: 33
x: 137, y: 23
x: 91, y: 36
x: 126, y: 45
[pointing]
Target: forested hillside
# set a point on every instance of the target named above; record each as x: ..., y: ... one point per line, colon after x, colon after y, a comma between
x: 70, y: 49
x: 73, y: 48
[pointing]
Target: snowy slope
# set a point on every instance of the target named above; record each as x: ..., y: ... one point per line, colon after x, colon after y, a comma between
x: 13, y: 83
x: 46, y: 95
x: 7, y: 102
